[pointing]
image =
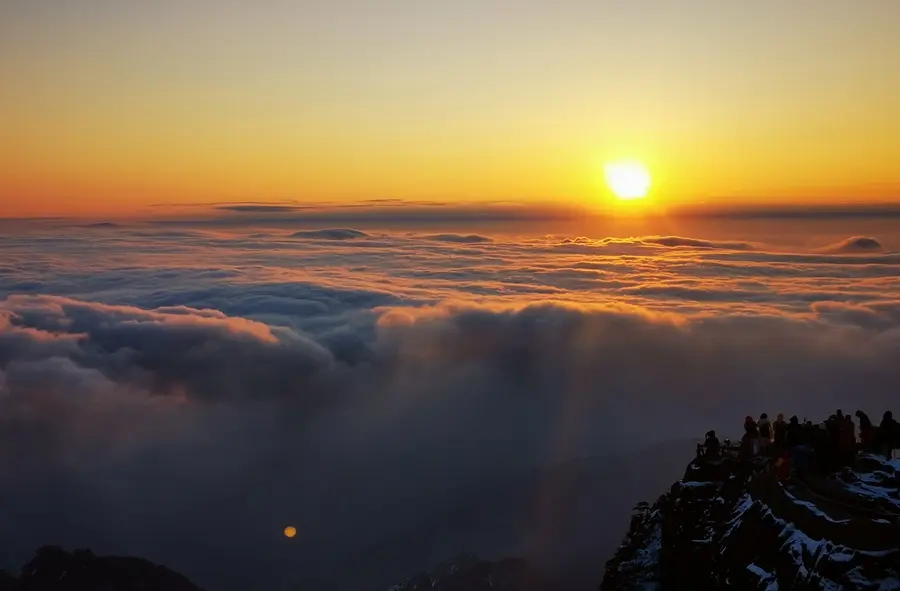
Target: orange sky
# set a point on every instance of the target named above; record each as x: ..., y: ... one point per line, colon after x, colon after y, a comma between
x: 111, y: 106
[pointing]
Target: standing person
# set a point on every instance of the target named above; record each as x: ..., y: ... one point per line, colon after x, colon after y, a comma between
x: 866, y: 432
x: 750, y: 440
x: 779, y: 432
x: 829, y: 451
x: 888, y: 433
x: 794, y: 433
x: 851, y: 427
x: 765, y: 432
x: 798, y: 444
x: 712, y: 446
x: 821, y: 445
x: 847, y: 435
x: 750, y: 426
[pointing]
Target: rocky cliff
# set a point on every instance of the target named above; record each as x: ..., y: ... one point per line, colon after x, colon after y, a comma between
x: 730, y: 524
x: 54, y: 569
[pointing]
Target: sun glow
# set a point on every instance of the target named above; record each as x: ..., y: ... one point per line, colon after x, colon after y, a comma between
x: 628, y: 180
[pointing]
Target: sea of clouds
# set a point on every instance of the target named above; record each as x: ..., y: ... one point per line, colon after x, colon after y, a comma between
x: 183, y: 390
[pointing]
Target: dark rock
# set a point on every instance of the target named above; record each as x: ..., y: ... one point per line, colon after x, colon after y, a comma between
x: 734, y: 525
x: 471, y: 574
x: 7, y: 581
x: 54, y: 569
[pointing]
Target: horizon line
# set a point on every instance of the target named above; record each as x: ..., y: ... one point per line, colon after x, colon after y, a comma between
x: 387, y: 209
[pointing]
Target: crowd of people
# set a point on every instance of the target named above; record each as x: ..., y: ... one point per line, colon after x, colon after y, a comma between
x: 797, y: 445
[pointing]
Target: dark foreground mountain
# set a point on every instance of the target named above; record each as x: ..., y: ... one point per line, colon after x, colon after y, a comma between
x: 735, y: 525
x: 54, y: 569
x: 468, y: 573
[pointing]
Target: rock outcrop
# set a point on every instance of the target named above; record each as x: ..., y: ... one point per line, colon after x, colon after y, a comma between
x: 54, y: 569
x: 734, y: 525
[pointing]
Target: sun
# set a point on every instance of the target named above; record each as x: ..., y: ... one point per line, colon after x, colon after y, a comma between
x: 627, y: 179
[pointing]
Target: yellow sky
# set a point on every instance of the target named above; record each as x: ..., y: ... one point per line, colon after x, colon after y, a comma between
x: 110, y: 106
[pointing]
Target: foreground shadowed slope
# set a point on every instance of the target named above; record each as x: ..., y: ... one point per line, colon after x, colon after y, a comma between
x: 468, y: 573
x: 728, y: 525
x: 54, y: 569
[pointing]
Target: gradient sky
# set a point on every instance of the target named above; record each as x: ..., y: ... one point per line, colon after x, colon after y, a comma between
x: 109, y: 105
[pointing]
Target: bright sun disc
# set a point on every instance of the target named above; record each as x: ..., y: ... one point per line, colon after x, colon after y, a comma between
x: 627, y: 180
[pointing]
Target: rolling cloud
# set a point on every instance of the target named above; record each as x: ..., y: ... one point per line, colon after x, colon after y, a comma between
x: 331, y: 234
x: 855, y: 244
x: 678, y: 241
x: 186, y: 400
x: 459, y: 238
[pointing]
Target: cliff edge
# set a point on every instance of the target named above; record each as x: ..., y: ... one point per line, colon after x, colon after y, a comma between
x: 54, y: 569
x: 734, y: 524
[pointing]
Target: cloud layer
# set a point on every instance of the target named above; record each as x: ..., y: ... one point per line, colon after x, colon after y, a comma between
x: 183, y: 393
